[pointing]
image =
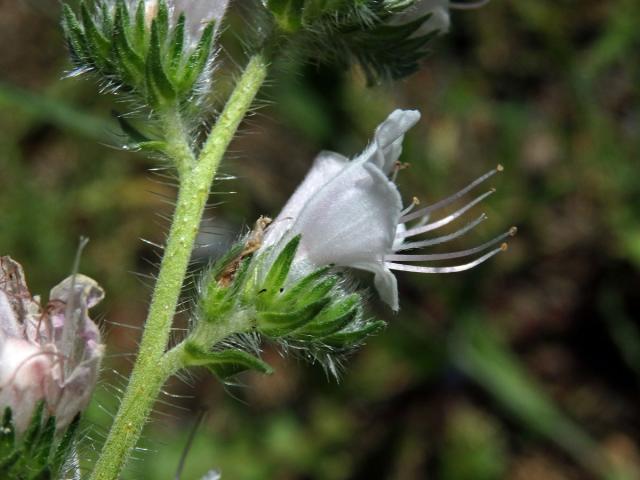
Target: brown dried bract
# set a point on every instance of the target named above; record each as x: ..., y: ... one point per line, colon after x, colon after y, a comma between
x: 253, y: 243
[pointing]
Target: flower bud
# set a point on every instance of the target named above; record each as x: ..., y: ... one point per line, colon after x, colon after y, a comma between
x: 159, y: 50
x: 48, y: 354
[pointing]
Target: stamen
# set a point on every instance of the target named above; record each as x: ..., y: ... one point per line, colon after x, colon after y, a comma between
x: 468, y: 5
x: 453, y: 269
x: 449, y: 200
x: 444, y: 238
x: 450, y: 255
x: 414, y: 201
x: 444, y: 221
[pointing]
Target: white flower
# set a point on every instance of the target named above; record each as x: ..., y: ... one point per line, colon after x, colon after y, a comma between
x: 438, y: 11
x: 49, y: 354
x: 349, y: 213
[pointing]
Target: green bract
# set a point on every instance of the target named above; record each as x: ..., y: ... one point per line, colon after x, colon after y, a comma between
x: 354, y: 31
x: 145, y: 56
x: 245, y: 297
x: 39, y: 454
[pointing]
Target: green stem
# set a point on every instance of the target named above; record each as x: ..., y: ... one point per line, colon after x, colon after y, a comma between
x: 153, y: 366
x: 177, y: 141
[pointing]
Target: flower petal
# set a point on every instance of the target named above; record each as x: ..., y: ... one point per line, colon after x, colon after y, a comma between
x: 326, y: 166
x: 352, y: 219
x: 386, y: 147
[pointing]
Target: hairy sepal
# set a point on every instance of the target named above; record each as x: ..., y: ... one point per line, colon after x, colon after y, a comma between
x: 345, y: 33
x: 154, y: 63
x: 224, y: 363
x: 41, y: 452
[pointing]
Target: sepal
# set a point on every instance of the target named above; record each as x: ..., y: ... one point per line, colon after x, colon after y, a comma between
x: 245, y: 297
x: 40, y: 453
x: 366, y: 33
x: 224, y: 363
x: 148, y: 57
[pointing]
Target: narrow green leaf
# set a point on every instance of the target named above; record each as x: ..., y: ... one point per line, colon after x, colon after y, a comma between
x: 7, y: 463
x: 44, y: 444
x: 65, y: 447
x: 140, y: 27
x: 130, y: 60
x: 96, y: 42
x: 333, y: 318
x: 156, y: 76
x: 44, y: 474
x: 352, y: 338
x: 74, y: 35
x: 34, y: 428
x: 226, y: 362
x: 197, y: 60
x: 318, y: 291
x: 129, y: 129
x: 279, y: 324
x: 150, y: 146
x: 7, y: 433
x: 176, y: 45
x: 279, y: 271
x: 298, y: 290
x: 162, y: 20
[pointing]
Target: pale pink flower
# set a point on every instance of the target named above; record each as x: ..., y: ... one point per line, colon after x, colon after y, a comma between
x: 49, y: 353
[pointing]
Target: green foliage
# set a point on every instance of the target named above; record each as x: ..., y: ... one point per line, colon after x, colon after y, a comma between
x: 146, y: 57
x: 39, y: 453
x: 224, y: 363
x: 243, y: 295
x: 345, y: 32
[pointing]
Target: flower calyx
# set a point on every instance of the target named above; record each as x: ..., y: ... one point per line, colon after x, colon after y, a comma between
x: 148, y: 48
x: 264, y: 299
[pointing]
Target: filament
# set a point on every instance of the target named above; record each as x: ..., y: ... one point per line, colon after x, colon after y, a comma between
x: 444, y: 238
x: 414, y: 201
x: 443, y: 221
x: 449, y: 200
x: 450, y: 255
x: 452, y: 269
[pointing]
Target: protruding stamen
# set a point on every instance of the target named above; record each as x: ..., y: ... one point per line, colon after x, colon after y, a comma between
x: 450, y: 255
x: 468, y: 5
x: 443, y: 221
x: 414, y: 201
x: 449, y: 200
x: 453, y: 269
x: 396, y: 169
x: 444, y: 238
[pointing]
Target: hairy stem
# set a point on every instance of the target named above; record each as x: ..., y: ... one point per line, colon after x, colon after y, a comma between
x: 153, y: 367
x: 178, y: 141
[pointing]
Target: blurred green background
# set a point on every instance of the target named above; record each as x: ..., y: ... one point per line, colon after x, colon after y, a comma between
x: 526, y: 368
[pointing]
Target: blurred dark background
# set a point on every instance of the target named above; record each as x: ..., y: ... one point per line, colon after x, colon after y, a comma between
x: 526, y: 368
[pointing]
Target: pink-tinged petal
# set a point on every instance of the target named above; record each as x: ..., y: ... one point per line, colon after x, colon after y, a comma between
x: 72, y: 298
x: 27, y: 376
